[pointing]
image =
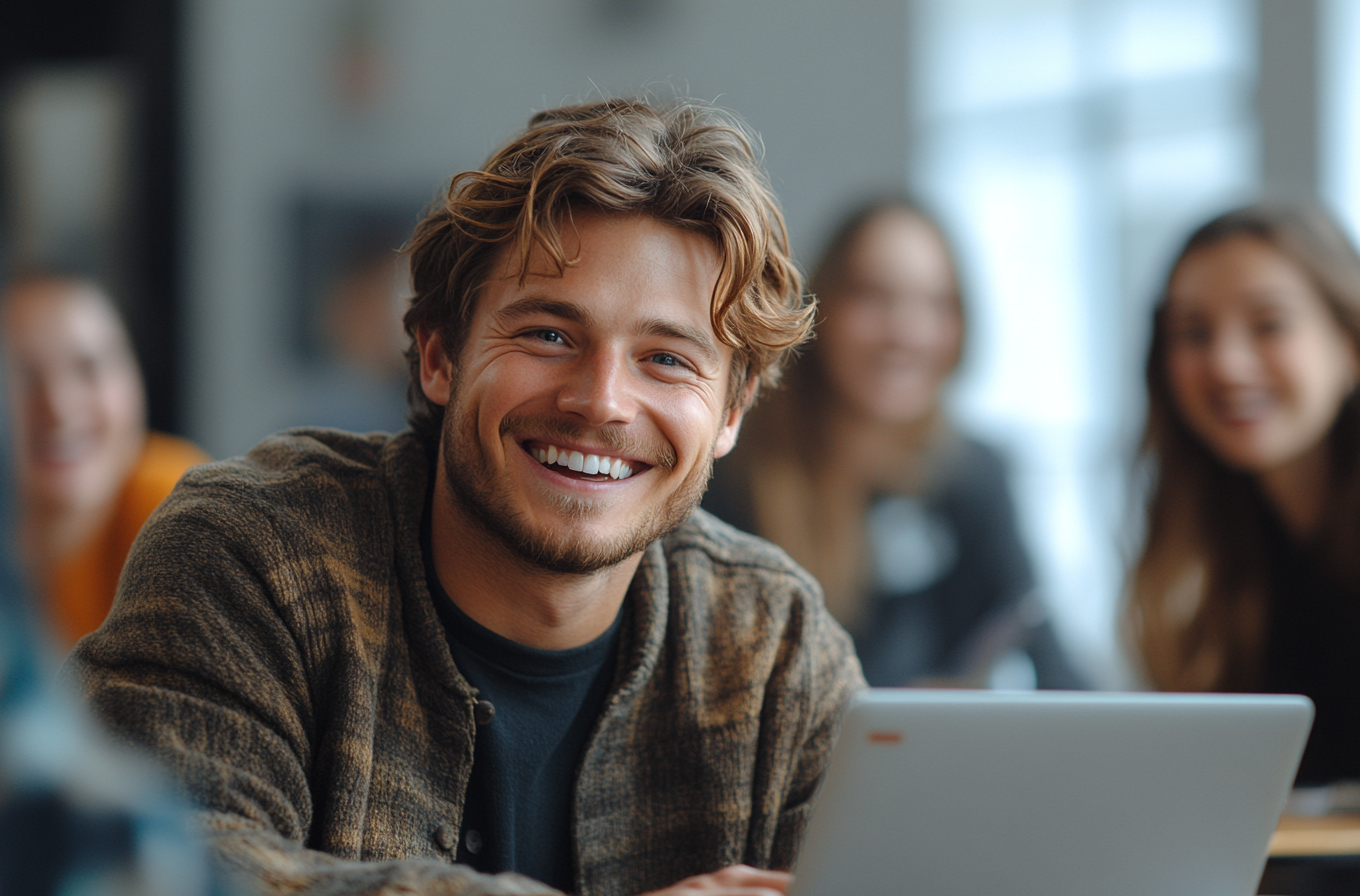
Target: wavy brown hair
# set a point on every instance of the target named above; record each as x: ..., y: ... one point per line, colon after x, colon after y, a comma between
x: 1198, y: 608
x: 687, y: 164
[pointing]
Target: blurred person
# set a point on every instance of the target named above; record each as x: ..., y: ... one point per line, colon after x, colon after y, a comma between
x: 854, y: 469
x: 502, y: 652
x: 1249, y: 578
x: 87, y: 473
x: 359, y: 380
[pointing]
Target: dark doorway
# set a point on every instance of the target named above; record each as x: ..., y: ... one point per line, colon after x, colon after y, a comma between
x: 132, y: 48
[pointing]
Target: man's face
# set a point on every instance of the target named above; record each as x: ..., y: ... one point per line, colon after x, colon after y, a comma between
x: 617, y: 361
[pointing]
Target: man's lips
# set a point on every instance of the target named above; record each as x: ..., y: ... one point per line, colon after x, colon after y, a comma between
x: 593, y: 465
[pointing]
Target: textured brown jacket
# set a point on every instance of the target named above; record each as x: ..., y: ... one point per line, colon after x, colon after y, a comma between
x: 275, y: 645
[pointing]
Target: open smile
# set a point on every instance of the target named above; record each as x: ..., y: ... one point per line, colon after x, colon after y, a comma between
x: 578, y: 464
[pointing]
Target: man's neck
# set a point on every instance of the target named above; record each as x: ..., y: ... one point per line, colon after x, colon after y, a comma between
x: 501, y: 591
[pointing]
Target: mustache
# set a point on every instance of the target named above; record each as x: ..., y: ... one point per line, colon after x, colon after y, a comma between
x: 620, y: 441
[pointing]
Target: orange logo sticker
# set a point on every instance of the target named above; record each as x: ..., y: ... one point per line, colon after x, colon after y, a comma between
x: 885, y: 737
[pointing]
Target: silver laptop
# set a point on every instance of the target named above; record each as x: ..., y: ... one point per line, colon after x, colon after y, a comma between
x: 946, y: 793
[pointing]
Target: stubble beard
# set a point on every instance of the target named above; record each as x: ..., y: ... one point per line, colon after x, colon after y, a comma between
x: 475, y: 488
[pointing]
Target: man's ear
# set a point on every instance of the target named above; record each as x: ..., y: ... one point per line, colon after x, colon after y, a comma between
x: 436, y: 369
x: 727, y: 436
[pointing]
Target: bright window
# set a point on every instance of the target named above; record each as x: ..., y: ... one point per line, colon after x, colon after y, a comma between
x: 1069, y: 147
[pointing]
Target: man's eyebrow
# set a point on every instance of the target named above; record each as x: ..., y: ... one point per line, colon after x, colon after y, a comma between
x: 672, y: 330
x: 540, y: 305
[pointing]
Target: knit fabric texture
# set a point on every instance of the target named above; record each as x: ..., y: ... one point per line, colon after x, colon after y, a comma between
x: 275, y: 645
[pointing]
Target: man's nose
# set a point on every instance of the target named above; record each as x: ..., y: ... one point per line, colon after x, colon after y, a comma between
x: 598, y: 389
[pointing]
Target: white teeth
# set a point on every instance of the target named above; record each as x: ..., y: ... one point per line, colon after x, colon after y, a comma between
x: 590, y: 464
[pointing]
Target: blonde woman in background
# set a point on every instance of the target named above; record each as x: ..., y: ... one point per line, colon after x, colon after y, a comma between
x: 854, y: 469
x: 1249, y: 579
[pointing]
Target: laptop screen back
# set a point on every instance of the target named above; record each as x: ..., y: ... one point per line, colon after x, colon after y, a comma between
x: 1052, y: 794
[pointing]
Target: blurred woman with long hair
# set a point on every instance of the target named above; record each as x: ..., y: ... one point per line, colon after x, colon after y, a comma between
x: 1249, y: 578
x: 854, y: 469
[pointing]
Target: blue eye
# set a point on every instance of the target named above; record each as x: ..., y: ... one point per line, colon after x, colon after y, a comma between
x: 666, y: 360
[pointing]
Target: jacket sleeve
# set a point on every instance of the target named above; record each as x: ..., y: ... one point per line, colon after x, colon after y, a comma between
x: 810, y: 692
x: 198, y: 665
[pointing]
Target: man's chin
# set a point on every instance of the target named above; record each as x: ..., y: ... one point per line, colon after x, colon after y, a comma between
x: 555, y: 531
x: 567, y: 548
x: 577, y: 559
x: 554, y: 539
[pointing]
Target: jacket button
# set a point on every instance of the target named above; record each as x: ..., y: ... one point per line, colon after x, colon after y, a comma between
x: 483, y: 712
x: 446, y: 837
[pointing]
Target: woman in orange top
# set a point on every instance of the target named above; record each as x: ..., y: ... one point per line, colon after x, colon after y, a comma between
x: 87, y: 472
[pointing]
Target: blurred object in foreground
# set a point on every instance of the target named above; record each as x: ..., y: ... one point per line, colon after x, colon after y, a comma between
x: 79, y: 815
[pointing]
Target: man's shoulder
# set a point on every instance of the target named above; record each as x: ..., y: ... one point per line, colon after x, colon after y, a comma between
x: 746, y: 606
x: 738, y: 563
x: 728, y: 546
x: 300, y: 457
x: 304, y: 514
x: 307, y: 475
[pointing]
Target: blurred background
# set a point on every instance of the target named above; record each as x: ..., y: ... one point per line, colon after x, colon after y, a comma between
x: 239, y: 173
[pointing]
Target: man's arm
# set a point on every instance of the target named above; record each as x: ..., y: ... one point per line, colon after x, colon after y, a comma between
x: 820, y: 679
x: 198, y: 665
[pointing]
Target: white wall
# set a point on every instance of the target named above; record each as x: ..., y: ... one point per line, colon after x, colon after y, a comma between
x: 1340, y: 106
x: 824, y: 83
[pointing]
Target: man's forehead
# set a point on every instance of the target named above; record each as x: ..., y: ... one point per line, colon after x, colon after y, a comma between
x: 593, y: 240
x: 571, y: 227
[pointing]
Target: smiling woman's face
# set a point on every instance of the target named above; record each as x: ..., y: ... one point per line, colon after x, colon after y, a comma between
x: 891, y: 327
x: 76, y: 394
x: 1258, y: 364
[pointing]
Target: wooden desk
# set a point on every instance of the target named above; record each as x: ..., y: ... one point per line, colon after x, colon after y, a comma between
x: 1321, y: 835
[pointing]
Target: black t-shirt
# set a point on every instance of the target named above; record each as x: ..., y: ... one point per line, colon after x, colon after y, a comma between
x: 542, y: 707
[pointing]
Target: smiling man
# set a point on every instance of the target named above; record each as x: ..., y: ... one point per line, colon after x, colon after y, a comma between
x: 505, y: 640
